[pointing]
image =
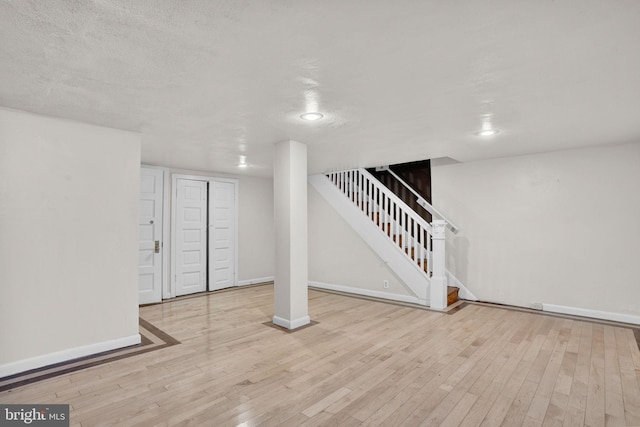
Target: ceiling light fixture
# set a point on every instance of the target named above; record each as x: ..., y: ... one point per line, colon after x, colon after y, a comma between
x: 487, y: 132
x: 312, y: 117
x: 487, y: 129
x: 243, y: 162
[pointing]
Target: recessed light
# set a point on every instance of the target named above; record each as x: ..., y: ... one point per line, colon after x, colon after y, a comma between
x: 487, y: 132
x: 243, y: 162
x: 312, y: 117
x: 487, y: 128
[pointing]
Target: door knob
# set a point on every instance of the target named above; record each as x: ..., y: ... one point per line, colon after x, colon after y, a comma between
x: 150, y: 221
x: 156, y: 247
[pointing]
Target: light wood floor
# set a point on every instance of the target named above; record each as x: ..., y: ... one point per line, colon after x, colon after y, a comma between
x: 364, y: 363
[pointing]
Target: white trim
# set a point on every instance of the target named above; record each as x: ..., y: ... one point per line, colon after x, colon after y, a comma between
x: 409, y: 273
x: 174, y: 208
x: 365, y: 292
x: 585, y: 312
x: 67, y: 355
x: 202, y: 177
x: 256, y: 280
x: 291, y: 324
x: 174, y: 179
x: 166, y: 292
x: 391, y: 195
x: 421, y: 201
x: 236, y: 226
x: 164, y: 258
x: 463, y: 292
x: 165, y: 233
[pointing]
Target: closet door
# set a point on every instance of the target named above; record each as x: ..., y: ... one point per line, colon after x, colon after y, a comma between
x: 222, y: 234
x: 191, y: 236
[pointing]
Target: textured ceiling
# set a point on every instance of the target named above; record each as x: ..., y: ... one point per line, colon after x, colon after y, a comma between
x: 208, y: 81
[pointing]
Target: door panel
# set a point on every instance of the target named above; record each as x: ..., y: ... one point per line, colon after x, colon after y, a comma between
x: 191, y: 237
x: 150, y: 231
x: 222, y: 235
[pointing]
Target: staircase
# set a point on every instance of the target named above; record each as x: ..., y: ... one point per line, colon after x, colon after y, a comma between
x: 412, y: 247
x: 418, y: 177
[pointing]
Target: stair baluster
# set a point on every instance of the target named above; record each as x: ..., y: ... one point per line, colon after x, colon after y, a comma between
x: 410, y: 232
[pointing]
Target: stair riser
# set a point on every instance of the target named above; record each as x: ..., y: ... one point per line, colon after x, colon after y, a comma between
x: 452, y: 295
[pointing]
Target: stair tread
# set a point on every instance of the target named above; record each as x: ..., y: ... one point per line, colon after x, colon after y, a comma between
x: 375, y: 213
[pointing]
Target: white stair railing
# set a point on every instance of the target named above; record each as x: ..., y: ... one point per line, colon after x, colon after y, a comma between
x: 420, y: 200
x: 411, y: 233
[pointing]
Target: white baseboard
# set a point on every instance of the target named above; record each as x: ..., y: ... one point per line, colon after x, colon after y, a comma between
x: 412, y: 278
x: 66, y: 355
x: 291, y: 324
x: 584, y: 312
x: 365, y: 292
x: 254, y: 281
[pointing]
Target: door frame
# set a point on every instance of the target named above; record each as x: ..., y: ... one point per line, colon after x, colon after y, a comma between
x: 171, y: 291
x: 165, y: 227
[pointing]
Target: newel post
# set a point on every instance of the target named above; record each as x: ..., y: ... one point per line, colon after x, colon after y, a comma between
x: 438, y: 296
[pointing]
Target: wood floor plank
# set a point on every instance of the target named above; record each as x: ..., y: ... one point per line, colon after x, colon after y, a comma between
x: 478, y: 380
x: 524, y: 402
x: 460, y: 410
x: 436, y: 388
x: 595, y: 411
x: 628, y: 377
x: 577, y: 404
x: 364, y: 363
x: 560, y: 396
x: 542, y: 398
x: 494, y: 401
x: 614, y: 404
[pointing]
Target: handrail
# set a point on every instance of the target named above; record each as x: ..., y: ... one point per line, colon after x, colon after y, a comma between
x: 421, y: 201
x: 395, y: 198
x: 421, y: 243
x: 394, y: 217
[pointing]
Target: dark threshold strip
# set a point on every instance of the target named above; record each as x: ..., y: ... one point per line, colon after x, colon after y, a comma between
x: 57, y: 369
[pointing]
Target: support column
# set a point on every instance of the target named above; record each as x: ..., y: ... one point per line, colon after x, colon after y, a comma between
x: 438, y: 292
x: 290, y: 204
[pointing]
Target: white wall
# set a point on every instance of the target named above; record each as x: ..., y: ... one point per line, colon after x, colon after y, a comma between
x: 559, y: 228
x: 256, y: 235
x: 68, y: 239
x: 338, y: 256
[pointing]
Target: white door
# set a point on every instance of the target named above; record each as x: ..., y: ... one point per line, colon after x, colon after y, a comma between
x: 150, y: 236
x: 222, y: 234
x: 191, y: 236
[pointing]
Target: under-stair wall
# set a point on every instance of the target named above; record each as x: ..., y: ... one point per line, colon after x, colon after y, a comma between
x: 413, y: 248
x: 412, y: 278
x: 340, y: 260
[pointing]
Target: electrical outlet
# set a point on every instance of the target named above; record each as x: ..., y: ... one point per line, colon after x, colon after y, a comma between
x: 385, y: 284
x: 536, y: 305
